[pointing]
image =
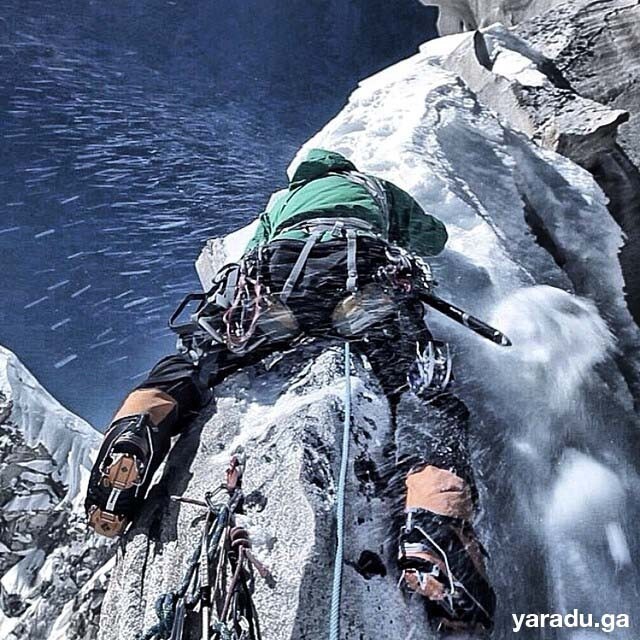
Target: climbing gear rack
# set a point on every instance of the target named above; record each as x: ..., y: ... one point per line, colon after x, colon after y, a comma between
x: 219, y: 579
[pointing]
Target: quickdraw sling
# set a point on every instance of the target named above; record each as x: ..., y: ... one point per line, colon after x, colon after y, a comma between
x: 219, y: 579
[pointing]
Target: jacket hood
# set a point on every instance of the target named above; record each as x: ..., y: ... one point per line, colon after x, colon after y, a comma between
x: 318, y: 163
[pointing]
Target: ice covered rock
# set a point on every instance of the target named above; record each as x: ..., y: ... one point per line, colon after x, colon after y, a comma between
x: 466, y: 15
x: 595, y: 45
x: 41, y: 421
x: 588, y: 105
x: 533, y: 247
x: 527, y: 91
x: 47, y: 557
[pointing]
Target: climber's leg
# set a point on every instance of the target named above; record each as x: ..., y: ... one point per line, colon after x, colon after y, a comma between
x: 140, y: 434
x: 138, y: 440
x: 440, y: 554
x: 391, y: 346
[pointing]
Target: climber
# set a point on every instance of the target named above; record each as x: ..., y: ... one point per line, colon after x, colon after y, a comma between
x: 337, y: 253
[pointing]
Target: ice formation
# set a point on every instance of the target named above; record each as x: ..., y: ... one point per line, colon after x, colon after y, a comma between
x: 533, y: 247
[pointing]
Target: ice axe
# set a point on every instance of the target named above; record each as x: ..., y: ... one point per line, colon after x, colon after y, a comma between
x: 462, y: 317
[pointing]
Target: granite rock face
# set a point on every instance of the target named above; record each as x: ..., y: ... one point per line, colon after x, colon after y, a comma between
x: 593, y: 43
x: 287, y: 417
x: 516, y: 81
x: 596, y: 47
x: 587, y: 105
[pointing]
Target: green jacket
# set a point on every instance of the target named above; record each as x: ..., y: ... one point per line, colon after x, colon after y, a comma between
x: 321, y: 188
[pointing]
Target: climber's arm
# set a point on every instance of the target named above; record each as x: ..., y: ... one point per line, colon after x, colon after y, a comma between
x: 411, y: 227
x: 262, y: 232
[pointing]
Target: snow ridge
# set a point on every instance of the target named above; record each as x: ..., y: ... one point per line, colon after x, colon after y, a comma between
x: 71, y: 441
x: 53, y: 572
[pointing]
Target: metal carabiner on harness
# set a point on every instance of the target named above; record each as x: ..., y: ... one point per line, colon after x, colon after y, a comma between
x: 431, y: 372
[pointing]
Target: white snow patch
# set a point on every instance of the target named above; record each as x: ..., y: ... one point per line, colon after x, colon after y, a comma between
x: 445, y: 45
x: 558, y: 338
x: 515, y: 66
x: 70, y: 441
x: 39, y: 466
x: 258, y: 419
x: 21, y: 577
x: 235, y: 243
x: 618, y: 545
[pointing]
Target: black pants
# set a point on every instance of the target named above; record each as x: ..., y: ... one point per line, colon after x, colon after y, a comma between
x: 390, y: 348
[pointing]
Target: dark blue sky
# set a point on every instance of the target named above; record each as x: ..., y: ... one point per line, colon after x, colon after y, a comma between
x: 134, y: 130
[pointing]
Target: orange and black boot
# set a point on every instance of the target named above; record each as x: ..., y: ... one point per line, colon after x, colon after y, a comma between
x: 130, y: 455
x: 440, y: 556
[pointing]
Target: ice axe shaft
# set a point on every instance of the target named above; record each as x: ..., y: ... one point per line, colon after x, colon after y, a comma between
x: 466, y: 319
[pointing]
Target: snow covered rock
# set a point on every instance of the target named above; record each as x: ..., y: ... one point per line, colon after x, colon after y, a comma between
x: 588, y: 105
x: 595, y: 45
x: 465, y: 15
x: 47, y: 557
x: 533, y: 248
x: 518, y: 215
x: 288, y: 419
x: 531, y: 94
x: 527, y: 91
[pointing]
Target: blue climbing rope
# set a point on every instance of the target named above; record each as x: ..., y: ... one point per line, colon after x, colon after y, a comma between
x: 336, y: 595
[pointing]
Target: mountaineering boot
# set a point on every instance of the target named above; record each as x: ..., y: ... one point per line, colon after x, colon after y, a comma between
x: 133, y: 448
x: 440, y: 556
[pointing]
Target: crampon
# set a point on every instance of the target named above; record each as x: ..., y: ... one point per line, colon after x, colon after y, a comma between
x: 443, y: 562
x: 127, y: 461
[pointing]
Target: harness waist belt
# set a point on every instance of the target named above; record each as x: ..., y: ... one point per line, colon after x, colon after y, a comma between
x: 329, y: 224
x: 339, y: 227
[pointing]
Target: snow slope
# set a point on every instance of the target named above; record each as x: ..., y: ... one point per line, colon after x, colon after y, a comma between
x: 70, y: 441
x: 47, y: 557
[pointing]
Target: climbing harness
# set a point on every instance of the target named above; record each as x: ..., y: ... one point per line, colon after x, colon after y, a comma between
x: 338, y: 228
x: 219, y: 578
x: 238, y: 304
x: 336, y: 594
